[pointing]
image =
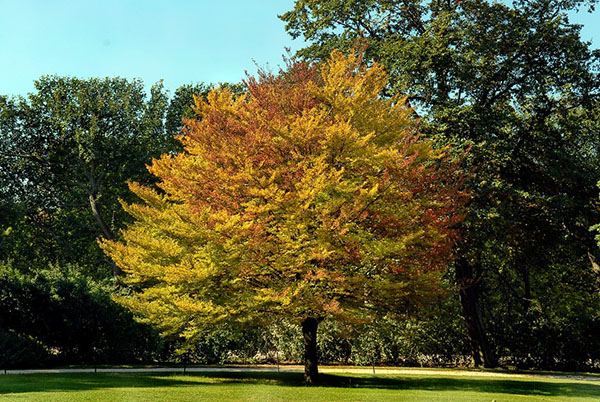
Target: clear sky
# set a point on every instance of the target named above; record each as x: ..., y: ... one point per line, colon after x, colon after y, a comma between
x: 180, y: 41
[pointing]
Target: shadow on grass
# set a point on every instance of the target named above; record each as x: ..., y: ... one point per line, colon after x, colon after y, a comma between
x: 82, y: 382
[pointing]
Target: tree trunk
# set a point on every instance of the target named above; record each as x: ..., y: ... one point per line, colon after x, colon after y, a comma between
x: 311, y: 370
x: 108, y: 234
x: 468, y: 288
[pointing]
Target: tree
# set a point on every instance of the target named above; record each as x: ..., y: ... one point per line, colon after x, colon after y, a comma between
x: 66, y: 151
x: 309, y: 198
x: 517, y: 84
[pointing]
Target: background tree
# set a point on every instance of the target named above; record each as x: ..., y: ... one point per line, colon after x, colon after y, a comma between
x: 518, y: 84
x: 67, y: 150
x: 308, y: 198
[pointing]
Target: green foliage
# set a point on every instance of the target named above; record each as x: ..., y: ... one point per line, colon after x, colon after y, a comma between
x: 514, y: 82
x: 70, y: 316
x: 21, y: 351
x: 66, y: 150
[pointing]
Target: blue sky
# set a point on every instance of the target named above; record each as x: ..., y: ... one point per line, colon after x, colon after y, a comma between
x: 180, y: 41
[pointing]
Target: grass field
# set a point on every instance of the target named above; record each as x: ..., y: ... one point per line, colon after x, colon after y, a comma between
x: 288, y: 387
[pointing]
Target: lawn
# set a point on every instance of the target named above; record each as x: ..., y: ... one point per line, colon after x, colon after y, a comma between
x: 288, y: 387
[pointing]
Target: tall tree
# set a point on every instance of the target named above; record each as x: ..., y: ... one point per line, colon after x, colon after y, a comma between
x: 65, y: 152
x: 517, y: 83
x: 308, y: 198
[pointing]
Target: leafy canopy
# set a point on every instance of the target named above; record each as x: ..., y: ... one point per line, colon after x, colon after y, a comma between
x: 308, y: 196
x: 66, y: 150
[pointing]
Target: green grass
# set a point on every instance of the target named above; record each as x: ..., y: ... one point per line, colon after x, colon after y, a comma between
x: 288, y: 387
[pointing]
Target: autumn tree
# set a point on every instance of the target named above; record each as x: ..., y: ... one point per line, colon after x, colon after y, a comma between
x: 310, y: 197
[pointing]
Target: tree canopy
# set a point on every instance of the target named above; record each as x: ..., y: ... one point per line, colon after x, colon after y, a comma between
x: 68, y: 148
x: 309, y: 197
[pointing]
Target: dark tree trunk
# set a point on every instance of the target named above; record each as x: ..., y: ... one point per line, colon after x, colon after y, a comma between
x: 468, y: 288
x: 108, y: 234
x: 311, y: 370
x: 93, y: 189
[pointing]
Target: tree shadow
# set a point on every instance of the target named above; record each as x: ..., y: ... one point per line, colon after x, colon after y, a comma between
x: 90, y: 381
x: 424, y: 383
x: 483, y: 385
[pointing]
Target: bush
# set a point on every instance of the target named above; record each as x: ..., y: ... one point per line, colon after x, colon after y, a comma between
x: 20, y: 351
x: 73, y: 316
